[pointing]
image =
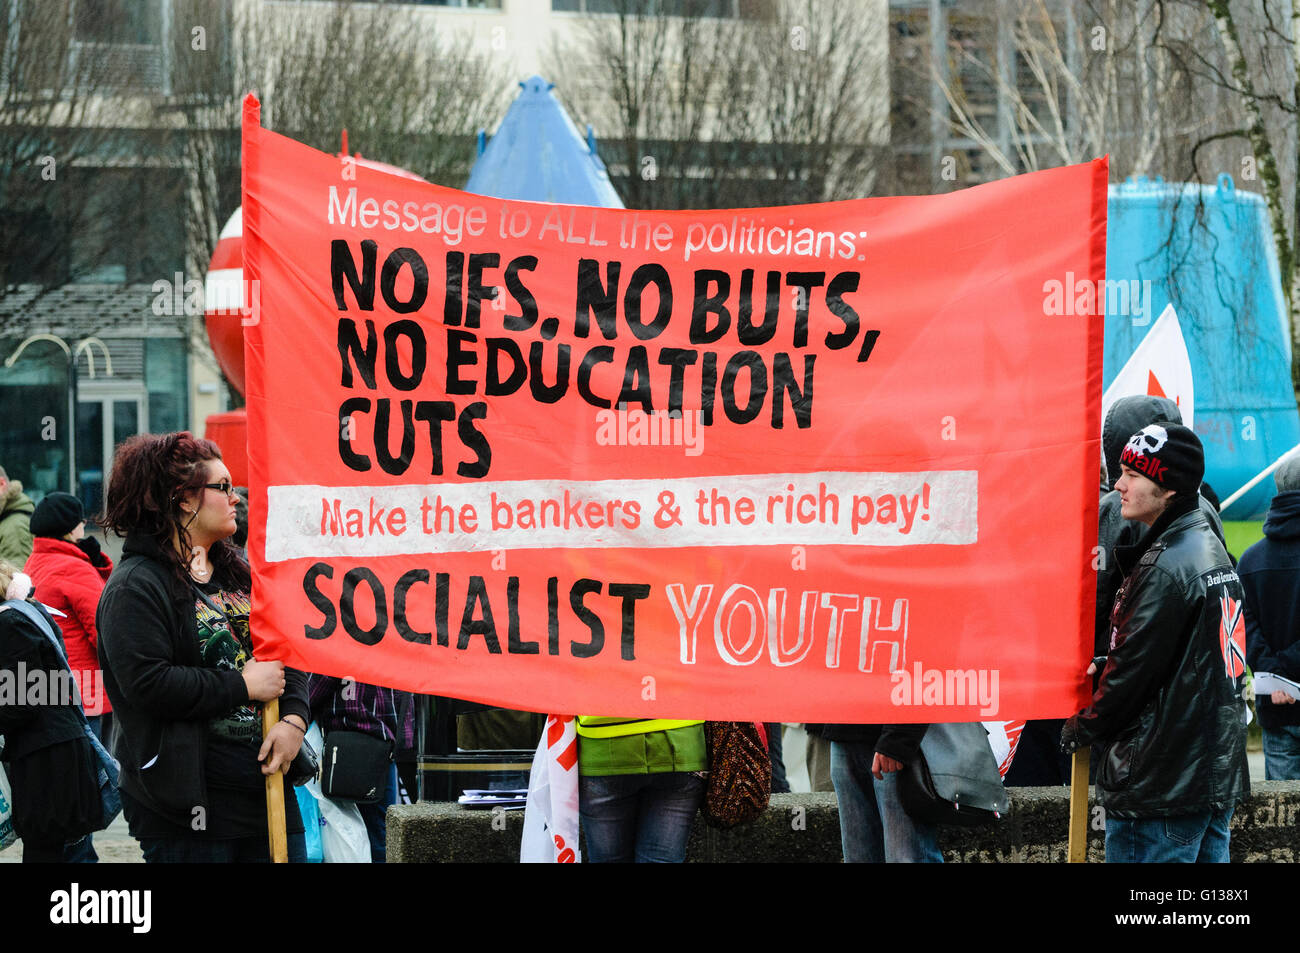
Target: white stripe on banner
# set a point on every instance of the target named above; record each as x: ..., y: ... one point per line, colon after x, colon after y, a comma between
x: 769, y: 509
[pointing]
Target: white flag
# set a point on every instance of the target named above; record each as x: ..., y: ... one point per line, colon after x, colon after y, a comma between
x: 1160, y: 367
x: 551, y: 814
x: 1004, y: 738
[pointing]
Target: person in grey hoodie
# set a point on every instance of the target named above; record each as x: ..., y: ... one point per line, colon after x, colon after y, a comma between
x: 1270, y: 576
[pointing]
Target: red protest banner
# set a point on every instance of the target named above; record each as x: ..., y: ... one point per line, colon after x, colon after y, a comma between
x: 819, y: 463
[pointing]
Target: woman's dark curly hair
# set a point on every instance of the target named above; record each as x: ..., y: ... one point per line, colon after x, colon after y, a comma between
x: 151, y: 474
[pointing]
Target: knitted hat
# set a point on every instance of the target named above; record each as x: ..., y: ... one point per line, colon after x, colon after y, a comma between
x: 1167, y: 454
x: 57, y: 515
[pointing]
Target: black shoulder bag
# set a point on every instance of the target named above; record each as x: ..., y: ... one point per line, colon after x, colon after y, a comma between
x: 954, y: 779
x: 354, y: 766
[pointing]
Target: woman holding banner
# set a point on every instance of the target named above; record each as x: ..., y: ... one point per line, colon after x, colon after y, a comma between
x: 178, y: 666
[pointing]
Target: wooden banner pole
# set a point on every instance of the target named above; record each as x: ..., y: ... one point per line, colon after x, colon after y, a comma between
x: 275, y: 821
x: 1078, y: 849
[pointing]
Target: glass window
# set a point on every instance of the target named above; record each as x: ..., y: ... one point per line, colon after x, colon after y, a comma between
x: 6, y: 12
x: 33, y: 429
x: 90, y: 454
x: 118, y: 21
x: 166, y: 373
x: 128, y: 226
x: 126, y: 420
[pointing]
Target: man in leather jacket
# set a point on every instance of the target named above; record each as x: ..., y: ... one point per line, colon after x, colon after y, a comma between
x: 1168, y: 715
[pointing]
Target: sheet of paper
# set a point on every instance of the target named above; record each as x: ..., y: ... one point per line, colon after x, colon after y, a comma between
x: 1267, y: 683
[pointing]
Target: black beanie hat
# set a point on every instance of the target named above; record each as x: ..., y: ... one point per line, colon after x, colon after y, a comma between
x: 57, y: 515
x: 1167, y: 454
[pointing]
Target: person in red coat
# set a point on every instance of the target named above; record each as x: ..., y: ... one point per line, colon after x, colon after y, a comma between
x: 69, y: 571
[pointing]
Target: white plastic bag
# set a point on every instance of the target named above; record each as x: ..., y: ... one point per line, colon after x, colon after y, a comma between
x: 7, y: 835
x: 343, y: 832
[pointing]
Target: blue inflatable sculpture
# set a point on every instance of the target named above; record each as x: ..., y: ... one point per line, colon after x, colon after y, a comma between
x: 1208, y: 250
x: 538, y: 155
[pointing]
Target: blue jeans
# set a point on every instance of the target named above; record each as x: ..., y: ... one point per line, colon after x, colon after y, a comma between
x: 1186, y: 839
x: 874, y: 828
x: 196, y: 850
x: 83, y: 851
x: 375, y: 817
x: 774, y: 732
x: 638, y: 817
x: 78, y: 852
x: 1282, y: 753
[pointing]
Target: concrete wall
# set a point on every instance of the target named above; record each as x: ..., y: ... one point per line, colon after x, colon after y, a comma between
x: 804, y: 828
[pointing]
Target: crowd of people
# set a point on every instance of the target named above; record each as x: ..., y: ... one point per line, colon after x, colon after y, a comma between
x: 161, y: 650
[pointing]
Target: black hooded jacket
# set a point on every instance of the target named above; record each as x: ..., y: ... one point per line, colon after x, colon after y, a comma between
x: 1270, y: 575
x: 162, y: 695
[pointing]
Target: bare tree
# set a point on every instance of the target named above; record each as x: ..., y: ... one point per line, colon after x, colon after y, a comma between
x: 702, y: 111
x: 822, y: 73
x: 1256, y: 66
x: 406, y: 95
x: 661, y: 82
x: 1061, y: 83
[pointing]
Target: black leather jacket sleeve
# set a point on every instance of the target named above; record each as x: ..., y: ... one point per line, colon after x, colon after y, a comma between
x: 1152, y: 622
